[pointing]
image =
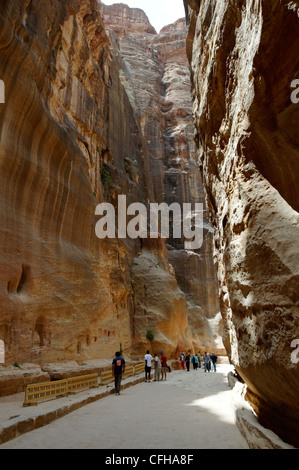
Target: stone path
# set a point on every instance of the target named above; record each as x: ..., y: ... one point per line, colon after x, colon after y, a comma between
x: 190, y: 410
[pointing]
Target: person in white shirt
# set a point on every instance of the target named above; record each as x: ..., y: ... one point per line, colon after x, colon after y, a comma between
x: 148, y: 366
x: 157, y: 368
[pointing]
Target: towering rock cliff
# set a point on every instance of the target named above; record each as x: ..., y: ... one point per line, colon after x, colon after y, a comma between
x: 73, y: 137
x: 155, y: 74
x: 243, y: 59
x: 64, y: 294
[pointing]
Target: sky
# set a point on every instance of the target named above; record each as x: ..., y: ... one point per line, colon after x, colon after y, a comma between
x: 159, y: 12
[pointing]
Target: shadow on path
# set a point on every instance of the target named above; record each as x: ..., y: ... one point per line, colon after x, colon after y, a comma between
x: 187, y: 411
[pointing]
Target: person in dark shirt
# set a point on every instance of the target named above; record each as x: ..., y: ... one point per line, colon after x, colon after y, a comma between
x: 188, y: 362
x: 118, y: 368
x: 214, y: 360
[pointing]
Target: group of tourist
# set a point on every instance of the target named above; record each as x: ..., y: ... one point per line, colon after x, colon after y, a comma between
x: 160, y: 365
x: 160, y: 368
x: 209, y: 361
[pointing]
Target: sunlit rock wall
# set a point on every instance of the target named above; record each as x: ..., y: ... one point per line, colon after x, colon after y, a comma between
x: 70, y: 139
x: 64, y: 294
x: 155, y: 74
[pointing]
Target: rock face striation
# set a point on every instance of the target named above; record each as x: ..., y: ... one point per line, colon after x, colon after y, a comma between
x: 64, y: 294
x: 76, y: 132
x: 243, y: 60
x: 155, y: 74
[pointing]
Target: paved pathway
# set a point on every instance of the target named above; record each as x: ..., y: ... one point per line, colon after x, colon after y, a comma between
x: 190, y: 410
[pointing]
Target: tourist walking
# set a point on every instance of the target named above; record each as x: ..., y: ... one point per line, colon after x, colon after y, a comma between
x: 199, y: 359
x: 182, y: 359
x: 148, y: 358
x: 157, y: 368
x: 207, y: 362
x: 214, y: 360
x: 188, y: 362
x: 163, y: 364
x: 118, y: 369
x: 194, y: 361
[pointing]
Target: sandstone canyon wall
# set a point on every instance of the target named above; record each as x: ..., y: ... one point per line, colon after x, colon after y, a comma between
x: 155, y: 73
x: 243, y: 58
x: 64, y: 294
x: 70, y: 138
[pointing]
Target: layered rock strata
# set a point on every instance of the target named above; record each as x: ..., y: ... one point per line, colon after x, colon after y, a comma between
x: 71, y: 138
x: 243, y: 60
x: 65, y: 295
x: 155, y: 74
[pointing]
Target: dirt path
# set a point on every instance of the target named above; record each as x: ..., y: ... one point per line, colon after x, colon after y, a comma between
x: 190, y: 410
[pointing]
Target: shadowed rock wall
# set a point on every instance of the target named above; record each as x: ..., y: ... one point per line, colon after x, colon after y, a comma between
x: 243, y: 58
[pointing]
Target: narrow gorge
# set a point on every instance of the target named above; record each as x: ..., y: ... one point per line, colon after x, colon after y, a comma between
x: 92, y: 128
x: 98, y: 105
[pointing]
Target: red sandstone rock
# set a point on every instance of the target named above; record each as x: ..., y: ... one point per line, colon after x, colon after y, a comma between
x: 72, y: 136
x: 65, y: 295
x: 155, y: 74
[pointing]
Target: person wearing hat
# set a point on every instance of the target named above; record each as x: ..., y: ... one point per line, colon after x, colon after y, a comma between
x: 163, y: 364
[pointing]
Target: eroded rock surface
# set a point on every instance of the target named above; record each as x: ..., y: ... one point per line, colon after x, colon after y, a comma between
x: 155, y: 74
x: 64, y: 293
x: 243, y: 59
x: 73, y: 134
